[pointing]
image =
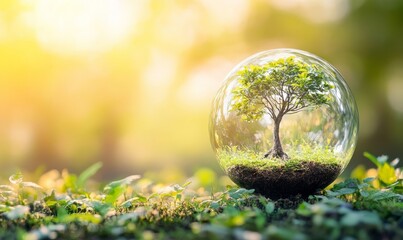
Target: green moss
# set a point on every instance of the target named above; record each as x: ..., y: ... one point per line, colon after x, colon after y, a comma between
x: 235, y: 156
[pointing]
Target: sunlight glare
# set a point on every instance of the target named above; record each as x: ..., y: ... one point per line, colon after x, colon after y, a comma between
x: 74, y: 26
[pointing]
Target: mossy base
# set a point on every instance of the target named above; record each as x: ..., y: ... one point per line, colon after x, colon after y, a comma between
x: 304, y: 179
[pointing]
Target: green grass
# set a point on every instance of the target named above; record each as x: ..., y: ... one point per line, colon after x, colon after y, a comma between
x: 63, y: 206
x: 234, y: 156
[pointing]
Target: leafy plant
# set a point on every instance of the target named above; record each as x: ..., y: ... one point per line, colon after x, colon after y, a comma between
x: 134, y: 207
x: 388, y: 175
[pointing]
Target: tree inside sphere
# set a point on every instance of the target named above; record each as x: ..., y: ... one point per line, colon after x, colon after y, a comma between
x: 284, y: 123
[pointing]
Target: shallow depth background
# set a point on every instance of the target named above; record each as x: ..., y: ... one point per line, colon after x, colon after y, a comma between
x: 130, y: 83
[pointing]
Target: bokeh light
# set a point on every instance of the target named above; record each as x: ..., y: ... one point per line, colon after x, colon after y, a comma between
x: 73, y: 27
x: 130, y: 83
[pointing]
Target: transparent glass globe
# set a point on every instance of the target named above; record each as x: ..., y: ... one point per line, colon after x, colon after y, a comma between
x: 284, y: 123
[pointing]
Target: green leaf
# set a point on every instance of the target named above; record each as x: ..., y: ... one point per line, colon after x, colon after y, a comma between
x: 372, y: 158
x: 352, y: 219
x: 101, y: 208
x: 214, y: 205
x: 89, y: 172
x: 51, y: 200
x: 238, y: 193
x: 349, y: 183
x: 368, y: 180
x: 123, y: 182
x: 70, y: 181
x: 114, y: 193
x: 304, y: 210
x: 398, y: 188
x: 340, y: 192
x: 269, y: 208
x: 4, y: 208
x: 377, y: 195
x: 398, y: 183
x: 386, y: 173
x: 129, y: 202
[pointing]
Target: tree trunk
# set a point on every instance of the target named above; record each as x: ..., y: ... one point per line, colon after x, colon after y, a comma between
x: 277, y: 150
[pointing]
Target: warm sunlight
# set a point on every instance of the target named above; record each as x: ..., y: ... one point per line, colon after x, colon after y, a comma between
x: 153, y: 119
x: 131, y: 83
x: 74, y: 26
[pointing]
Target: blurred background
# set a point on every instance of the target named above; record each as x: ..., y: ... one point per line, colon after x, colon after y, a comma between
x: 130, y: 83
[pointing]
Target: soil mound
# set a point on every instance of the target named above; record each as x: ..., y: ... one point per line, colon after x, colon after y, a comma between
x: 281, y: 182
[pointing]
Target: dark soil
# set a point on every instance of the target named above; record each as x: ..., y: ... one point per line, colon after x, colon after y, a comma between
x: 284, y: 182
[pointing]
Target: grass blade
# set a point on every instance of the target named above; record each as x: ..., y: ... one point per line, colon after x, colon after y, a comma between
x: 89, y: 172
x: 372, y: 158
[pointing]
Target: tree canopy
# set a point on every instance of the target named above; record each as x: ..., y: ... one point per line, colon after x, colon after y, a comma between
x: 280, y: 87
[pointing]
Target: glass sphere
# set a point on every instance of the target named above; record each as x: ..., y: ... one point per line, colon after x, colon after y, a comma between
x: 284, y: 123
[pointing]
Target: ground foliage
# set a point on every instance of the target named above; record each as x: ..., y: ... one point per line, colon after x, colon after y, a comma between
x: 368, y: 206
